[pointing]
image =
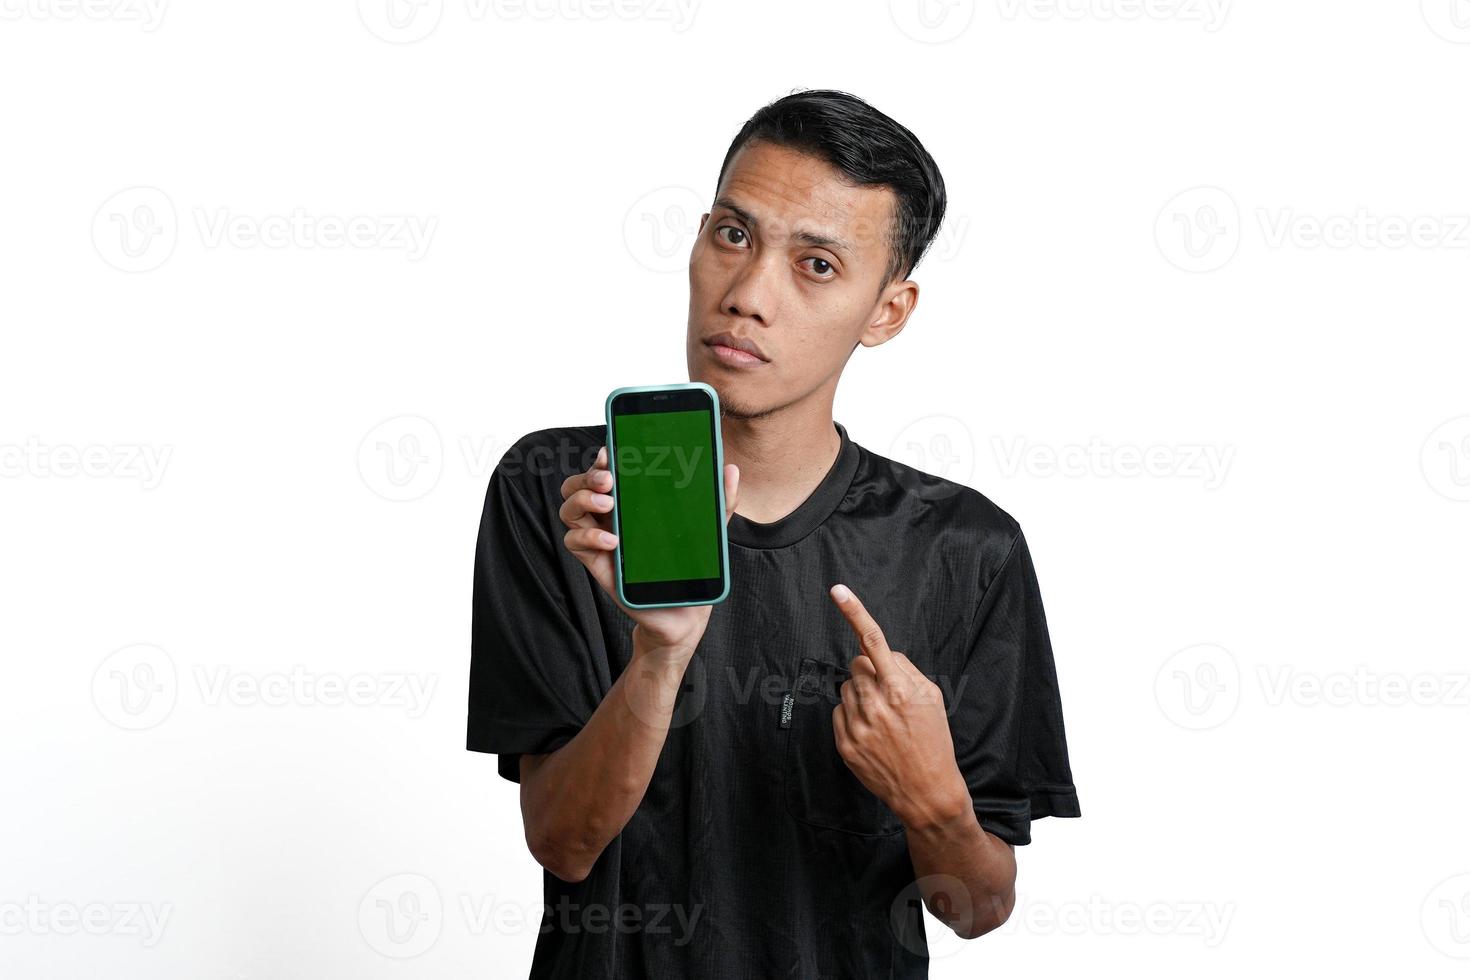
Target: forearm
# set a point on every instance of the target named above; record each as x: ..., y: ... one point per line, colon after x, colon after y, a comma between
x: 947, y: 845
x: 575, y: 800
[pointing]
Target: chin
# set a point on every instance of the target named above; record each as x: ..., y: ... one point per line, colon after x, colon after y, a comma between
x: 736, y: 401
x: 735, y: 407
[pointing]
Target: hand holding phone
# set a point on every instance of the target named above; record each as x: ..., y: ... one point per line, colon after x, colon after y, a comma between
x: 677, y: 618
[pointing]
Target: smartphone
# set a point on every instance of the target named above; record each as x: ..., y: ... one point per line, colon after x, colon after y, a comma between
x: 668, y: 465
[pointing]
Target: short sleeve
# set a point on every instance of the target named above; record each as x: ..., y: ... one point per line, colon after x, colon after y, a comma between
x: 533, y: 682
x: 1009, y: 738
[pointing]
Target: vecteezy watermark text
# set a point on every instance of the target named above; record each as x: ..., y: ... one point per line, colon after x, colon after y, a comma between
x: 1201, y: 687
x: 299, y: 686
x: 1201, y: 230
x: 147, y: 14
x: 36, y: 917
x: 1206, y: 463
x: 403, y: 916
x: 126, y: 461
x: 1210, y: 14
x: 409, y: 21
x: 137, y: 230
x: 137, y: 688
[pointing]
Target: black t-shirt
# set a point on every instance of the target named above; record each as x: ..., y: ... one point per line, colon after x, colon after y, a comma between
x: 755, y: 851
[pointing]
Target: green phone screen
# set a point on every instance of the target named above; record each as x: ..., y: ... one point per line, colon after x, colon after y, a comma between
x: 667, y: 518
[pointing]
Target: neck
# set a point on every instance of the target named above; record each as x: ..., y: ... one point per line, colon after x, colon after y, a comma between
x: 782, y: 458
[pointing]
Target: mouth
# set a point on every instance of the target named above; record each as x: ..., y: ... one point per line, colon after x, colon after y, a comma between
x: 734, y: 351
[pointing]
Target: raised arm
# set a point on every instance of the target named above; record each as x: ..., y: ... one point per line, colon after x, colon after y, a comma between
x: 576, y: 799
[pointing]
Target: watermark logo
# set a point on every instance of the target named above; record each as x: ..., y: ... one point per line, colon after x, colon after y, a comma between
x: 952, y: 903
x: 400, y: 21
x: 1445, y: 459
x: 402, y: 458
x: 1199, y: 687
x: 1445, y: 917
x: 136, y: 687
x: 652, y: 699
x: 1199, y: 229
x: 136, y: 229
x: 660, y: 228
x: 1450, y: 19
x: 932, y: 21
x: 939, y: 445
x: 401, y: 916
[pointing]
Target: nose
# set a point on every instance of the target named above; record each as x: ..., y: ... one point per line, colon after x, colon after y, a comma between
x: 748, y: 296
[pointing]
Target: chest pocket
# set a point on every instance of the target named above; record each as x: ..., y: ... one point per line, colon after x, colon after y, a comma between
x: 820, y: 789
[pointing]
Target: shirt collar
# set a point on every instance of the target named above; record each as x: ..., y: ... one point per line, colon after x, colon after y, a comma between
x: 810, y: 513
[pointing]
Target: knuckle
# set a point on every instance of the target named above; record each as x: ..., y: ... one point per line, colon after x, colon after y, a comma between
x: 584, y: 504
x: 583, y: 539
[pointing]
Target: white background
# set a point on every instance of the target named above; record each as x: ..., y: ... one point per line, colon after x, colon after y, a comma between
x: 1180, y: 232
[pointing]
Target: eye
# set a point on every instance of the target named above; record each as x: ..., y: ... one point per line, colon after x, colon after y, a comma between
x: 738, y: 241
x: 822, y: 267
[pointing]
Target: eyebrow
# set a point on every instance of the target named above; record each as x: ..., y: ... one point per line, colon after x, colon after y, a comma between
x: 800, y: 234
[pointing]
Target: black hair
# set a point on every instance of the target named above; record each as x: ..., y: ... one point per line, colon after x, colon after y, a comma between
x: 868, y: 148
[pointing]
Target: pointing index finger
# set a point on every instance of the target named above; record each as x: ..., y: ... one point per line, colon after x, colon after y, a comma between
x: 869, y: 633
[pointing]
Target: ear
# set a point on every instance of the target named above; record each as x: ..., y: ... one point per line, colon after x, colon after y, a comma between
x: 892, y: 311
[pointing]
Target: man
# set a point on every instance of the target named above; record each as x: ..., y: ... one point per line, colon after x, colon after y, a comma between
x: 768, y: 787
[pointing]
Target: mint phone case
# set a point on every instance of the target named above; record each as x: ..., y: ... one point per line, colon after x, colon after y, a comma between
x: 719, y: 485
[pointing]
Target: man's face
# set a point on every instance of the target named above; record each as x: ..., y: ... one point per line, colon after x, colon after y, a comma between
x: 791, y: 259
